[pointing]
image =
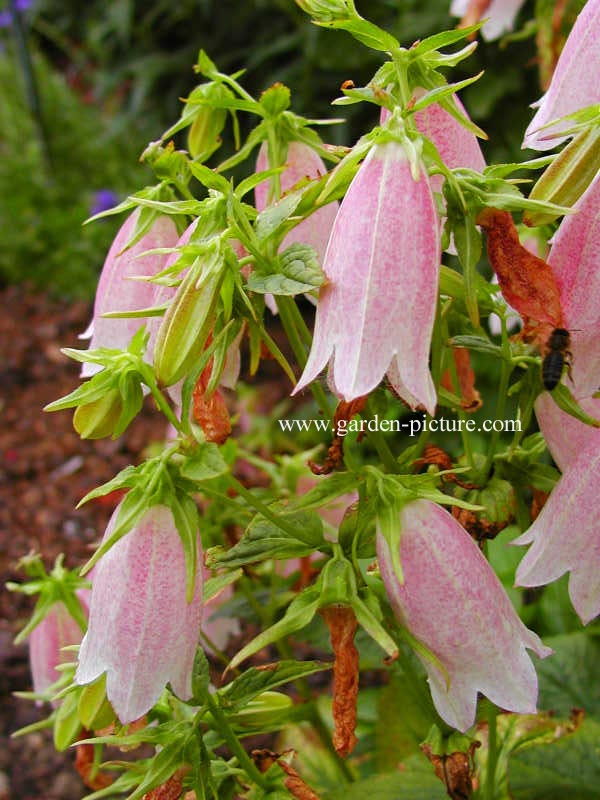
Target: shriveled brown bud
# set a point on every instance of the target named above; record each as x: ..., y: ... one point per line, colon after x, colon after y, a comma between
x: 342, y: 625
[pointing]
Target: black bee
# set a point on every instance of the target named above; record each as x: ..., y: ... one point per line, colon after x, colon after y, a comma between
x: 556, y: 357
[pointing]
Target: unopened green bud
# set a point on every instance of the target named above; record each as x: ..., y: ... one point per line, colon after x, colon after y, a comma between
x: 265, y: 710
x: 204, y: 134
x: 187, y: 323
x: 276, y: 99
x: 99, y: 419
x: 325, y: 11
x: 567, y: 177
x: 94, y: 710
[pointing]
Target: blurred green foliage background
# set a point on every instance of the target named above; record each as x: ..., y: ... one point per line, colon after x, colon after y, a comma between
x: 110, y: 76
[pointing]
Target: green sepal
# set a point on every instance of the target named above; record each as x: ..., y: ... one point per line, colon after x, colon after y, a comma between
x: 568, y: 176
x: 275, y: 100
x: 564, y: 399
x: 297, y: 616
x: 66, y: 723
x: 467, y: 240
x: 205, y: 463
x: 478, y: 344
x: 185, y: 515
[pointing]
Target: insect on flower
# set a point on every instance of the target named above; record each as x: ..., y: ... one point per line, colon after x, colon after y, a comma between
x: 556, y: 357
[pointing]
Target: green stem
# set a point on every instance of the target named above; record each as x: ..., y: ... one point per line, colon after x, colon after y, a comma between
x: 233, y: 743
x: 382, y: 447
x: 291, y: 318
x: 492, y: 758
x: 501, y: 404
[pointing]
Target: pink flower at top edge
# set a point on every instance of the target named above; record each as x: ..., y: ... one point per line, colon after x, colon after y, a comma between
x: 574, y: 83
x: 500, y: 16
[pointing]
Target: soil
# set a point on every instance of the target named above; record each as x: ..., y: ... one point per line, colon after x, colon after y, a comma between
x: 45, y: 469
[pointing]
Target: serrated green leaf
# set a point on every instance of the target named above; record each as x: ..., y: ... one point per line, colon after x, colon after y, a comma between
x: 200, y: 677
x: 569, y: 679
x: 414, y: 779
x: 568, y: 767
x: 269, y: 220
x: 263, y: 540
x: 213, y: 586
x: 326, y: 490
x: 299, y: 272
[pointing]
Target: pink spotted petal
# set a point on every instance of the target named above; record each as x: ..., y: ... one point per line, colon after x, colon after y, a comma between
x: 116, y: 292
x: 566, y: 437
x: 574, y: 84
x: 142, y: 632
x: 58, y: 629
x: 565, y: 537
x: 454, y: 604
x: 500, y: 16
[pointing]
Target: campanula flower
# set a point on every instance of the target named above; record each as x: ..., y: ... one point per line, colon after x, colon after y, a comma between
x: 565, y: 536
x: 574, y: 83
x: 142, y: 632
x: 302, y: 164
x: 116, y: 292
x: 453, y: 603
x: 375, y: 313
x: 58, y: 629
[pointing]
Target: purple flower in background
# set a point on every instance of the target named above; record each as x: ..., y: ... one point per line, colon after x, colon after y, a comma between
x: 103, y: 200
x: 21, y: 6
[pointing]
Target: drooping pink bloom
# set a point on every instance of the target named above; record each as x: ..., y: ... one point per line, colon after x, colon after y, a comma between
x: 302, y: 163
x: 454, y: 604
x: 575, y: 261
x: 142, y: 632
x: 566, y: 436
x: 574, y: 83
x: 500, y: 15
x: 58, y: 629
x: 375, y: 314
x: 457, y: 146
x: 116, y: 292
x: 565, y: 537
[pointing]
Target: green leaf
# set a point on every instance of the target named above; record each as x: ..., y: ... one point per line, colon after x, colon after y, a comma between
x: 326, y: 490
x: 257, y: 680
x: 300, y: 272
x: 162, y: 766
x: 213, y: 586
x: 205, y: 463
x: 185, y: 515
x: 568, y: 767
x: 269, y: 220
x: 414, y: 779
x: 200, y: 677
x: 442, y: 39
x: 263, y: 539
x: 569, y: 679
x: 479, y: 344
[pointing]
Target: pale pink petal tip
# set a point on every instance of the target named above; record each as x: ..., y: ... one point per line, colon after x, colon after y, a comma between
x: 142, y: 632
x: 454, y: 604
x: 565, y: 537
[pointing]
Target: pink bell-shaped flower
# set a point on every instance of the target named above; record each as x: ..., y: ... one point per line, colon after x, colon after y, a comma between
x: 499, y: 15
x: 116, y: 292
x: 574, y: 83
x: 142, y: 632
x: 375, y: 314
x: 58, y: 629
x: 454, y: 604
x: 565, y: 537
x: 302, y: 163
